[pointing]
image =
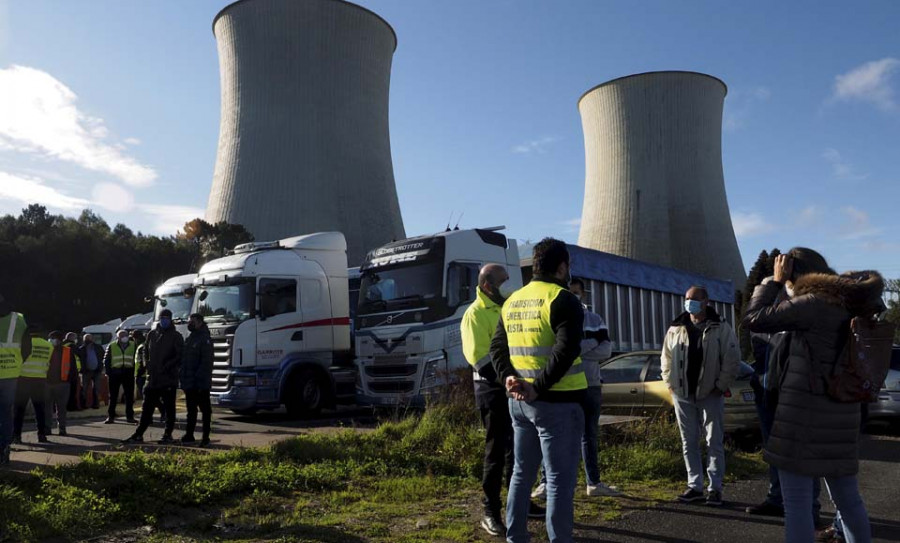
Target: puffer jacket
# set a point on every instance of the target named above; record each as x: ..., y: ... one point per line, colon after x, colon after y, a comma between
x: 197, y: 361
x: 163, y: 354
x: 721, y: 356
x: 814, y: 435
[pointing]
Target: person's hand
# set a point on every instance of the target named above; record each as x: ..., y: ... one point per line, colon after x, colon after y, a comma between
x: 512, y: 384
x: 526, y: 394
x: 784, y: 266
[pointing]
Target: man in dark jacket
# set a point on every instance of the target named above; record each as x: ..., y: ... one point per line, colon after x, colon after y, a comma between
x: 196, y: 378
x: 163, y: 350
x: 91, y: 356
x: 61, y: 373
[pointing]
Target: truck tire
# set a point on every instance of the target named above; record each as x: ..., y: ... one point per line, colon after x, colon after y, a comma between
x: 305, y: 395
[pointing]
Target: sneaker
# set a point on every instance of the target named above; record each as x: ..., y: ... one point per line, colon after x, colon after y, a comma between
x: 493, y: 525
x: 601, y: 489
x: 536, y: 511
x: 187, y: 439
x: 690, y: 495
x: 134, y: 438
x: 204, y: 442
x: 166, y: 440
x: 714, y: 498
x: 540, y: 493
x: 766, y: 509
x: 110, y: 420
x: 829, y: 535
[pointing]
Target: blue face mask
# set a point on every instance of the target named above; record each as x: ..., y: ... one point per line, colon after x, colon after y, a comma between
x: 165, y: 322
x: 693, y: 307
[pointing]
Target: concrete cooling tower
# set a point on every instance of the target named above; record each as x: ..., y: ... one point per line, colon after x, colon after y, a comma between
x: 654, y: 188
x: 303, y: 142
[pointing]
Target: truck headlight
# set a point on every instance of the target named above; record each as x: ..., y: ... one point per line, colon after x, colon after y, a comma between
x: 430, y: 373
x: 244, y: 381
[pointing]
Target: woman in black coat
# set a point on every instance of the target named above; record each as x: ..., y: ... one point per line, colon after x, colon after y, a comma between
x: 813, y: 435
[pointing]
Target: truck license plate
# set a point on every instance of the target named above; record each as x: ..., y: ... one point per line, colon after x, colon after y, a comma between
x: 214, y: 400
x: 748, y: 395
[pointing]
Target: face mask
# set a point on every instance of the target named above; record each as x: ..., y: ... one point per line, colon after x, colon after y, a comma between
x: 165, y: 322
x: 123, y: 340
x: 506, y: 289
x: 693, y: 307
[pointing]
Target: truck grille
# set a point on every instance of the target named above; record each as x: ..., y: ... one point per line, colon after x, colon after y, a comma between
x: 388, y: 387
x: 221, y: 362
x: 391, y: 370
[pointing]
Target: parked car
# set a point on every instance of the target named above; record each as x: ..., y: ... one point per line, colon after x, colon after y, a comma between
x: 888, y: 405
x: 633, y: 385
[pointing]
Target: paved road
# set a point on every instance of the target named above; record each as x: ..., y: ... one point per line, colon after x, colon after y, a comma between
x: 678, y: 523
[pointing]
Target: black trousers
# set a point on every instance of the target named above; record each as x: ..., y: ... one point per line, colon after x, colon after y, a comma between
x: 35, y: 390
x: 124, y: 380
x: 498, y: 451
x: 153, y: 399
x: 197, y: 399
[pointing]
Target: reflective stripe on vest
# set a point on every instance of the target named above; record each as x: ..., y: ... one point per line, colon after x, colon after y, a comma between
x: 121, y: 358
x: 526, y: 316
x: 12, y: 328
x: 39, y: 361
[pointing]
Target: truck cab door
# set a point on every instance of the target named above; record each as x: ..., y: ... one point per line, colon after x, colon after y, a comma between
x: 279, y: 329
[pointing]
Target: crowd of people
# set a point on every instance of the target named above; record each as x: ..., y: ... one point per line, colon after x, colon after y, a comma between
x: 56, y: 374
x: 535, y: 354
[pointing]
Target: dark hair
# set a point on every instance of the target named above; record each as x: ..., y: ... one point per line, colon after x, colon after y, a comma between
x: 165, y: 313
x: 56, y: 334
x: 702, y: 289
x: 548, y: 254
x: 576, y: 281
x: 137, y: 335
x: 197, y: 316
x: 807, y: 261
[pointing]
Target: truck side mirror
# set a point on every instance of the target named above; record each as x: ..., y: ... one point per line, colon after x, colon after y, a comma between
x: 163, y: 302
x: 149, y: 299
x: 204, y: 295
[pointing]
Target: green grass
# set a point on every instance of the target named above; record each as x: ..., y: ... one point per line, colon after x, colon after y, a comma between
x: 410, y: 480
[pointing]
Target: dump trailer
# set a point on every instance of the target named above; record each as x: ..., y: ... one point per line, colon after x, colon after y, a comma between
x: 637, y: 300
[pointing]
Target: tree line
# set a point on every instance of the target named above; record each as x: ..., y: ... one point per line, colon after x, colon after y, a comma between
x: 65, y: 273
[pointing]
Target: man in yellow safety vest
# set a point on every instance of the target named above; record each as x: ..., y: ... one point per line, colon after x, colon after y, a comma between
x: 535, y: 351
x: 33, y: 387
x: 15, y: 346
x: 119, y: 364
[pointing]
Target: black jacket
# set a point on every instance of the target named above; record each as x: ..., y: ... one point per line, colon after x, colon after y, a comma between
x: 197, y: 361
x: 567, y: 322
x: 163, y: 351
x: 813, y: 434
x: 82, y: 355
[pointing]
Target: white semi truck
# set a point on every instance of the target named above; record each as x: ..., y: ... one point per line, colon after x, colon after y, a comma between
x: 176, y: 295
x: 279, y: 317
x: 412, y: 297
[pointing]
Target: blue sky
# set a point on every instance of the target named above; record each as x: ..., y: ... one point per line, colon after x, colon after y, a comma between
x: 115, y: 106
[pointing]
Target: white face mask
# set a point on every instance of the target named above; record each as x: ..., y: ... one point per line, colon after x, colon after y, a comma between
x: 123, y: 340
x: 506, y: 289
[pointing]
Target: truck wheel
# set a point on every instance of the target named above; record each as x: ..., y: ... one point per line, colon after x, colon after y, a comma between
x: 244, y: 412
x: 305, y: 395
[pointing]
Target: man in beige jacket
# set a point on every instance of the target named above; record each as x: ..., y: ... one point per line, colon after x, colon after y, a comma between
x: 700, y: 360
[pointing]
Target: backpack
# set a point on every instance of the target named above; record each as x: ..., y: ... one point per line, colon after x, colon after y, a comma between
x: 864, y: 362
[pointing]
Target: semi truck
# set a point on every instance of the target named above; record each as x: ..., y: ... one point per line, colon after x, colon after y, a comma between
x: 412, y: 297
x: 279, y: 318
x: 177, y: 295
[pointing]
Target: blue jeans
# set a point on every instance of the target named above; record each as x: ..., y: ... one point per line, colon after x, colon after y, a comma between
x: 593, y: 400
x: 707, y: 413
x: 7, y: 402
x: 551, y: 431
x: 798, y: 495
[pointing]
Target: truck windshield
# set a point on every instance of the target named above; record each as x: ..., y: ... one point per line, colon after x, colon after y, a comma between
x: 226, y: 303
x: 176, y: 303
x: 391, y: 287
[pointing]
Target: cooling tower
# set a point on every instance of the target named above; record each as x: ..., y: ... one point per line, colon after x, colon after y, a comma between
x: 654, y: 188
x: 303, y: 142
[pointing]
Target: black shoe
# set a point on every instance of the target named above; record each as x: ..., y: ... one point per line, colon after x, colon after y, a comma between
x: 536, y: 511
x: 62, y: 431
x: 204, y: 442
x: 17, y: 440
x: 166, y: 440
x: 110, y: 420
x: 132, y: 420
x: 48, y: 432
x: 4, y: 456
x: 493, y: 525
x: 187, y: 439
x: 134, y: 438
x: 42, y: 438
x: 690, y: 495
x: 766, y: 509
x: 714, y: 498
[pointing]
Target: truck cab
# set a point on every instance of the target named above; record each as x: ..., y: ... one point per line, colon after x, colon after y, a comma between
x: 413, y: 294
x: 176, y: 295
x: 278, y: 314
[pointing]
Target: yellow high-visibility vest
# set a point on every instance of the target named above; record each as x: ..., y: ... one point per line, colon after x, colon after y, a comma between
x: 38, y: 362
x: 477, y: 329
x: 526, y: 316
x: 12, y: 329
x: 121, y: 358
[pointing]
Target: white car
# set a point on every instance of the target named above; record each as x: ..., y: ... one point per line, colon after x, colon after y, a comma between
x: 888, y: 405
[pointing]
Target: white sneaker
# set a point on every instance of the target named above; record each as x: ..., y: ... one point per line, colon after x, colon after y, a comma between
x: 603, y: 490
x: 540, y: 493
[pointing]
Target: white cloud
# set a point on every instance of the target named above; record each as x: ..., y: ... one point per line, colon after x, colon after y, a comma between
x: 132, y: 141
x: 572, y: 225
x: 748, y: 225
x: 840, y: 168
x: 869, y: 82
x: 30, y: 190
x: 538, y: 146
x: 740, y: 105
x: 809, y: 216
x: 857, y: 224
x: 39, y: 114
x: 168, y: 219
x: 112, y: 197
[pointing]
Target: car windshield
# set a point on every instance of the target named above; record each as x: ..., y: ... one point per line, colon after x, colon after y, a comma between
x: 382, y: 288
x: 226, y: 303
x: 895, y: 359
x: 176, y: 303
